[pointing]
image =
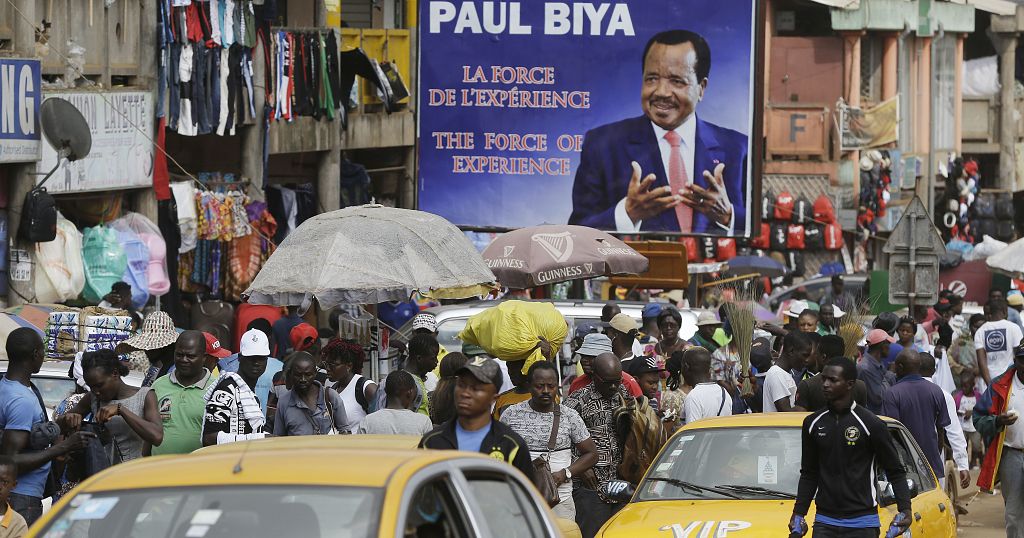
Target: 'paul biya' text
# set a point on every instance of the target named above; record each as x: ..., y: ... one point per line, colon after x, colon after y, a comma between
x: 505, y: 18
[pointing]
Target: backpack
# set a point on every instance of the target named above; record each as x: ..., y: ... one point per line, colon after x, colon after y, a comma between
x: 778, y: 239
x: 795, y: 263
x: 708, y: 248
x: 640, y: 432
x: 833, y: 236
x: 795, y: 237
x: 1004, y: 230
x: 38, y: 217
x: 767, y: 205
x: 764, y: 239
x: 803, y: 211
x: 984, y: 206
x: 824, y: 211
x: 814, y: 237
x: 1004, y: 207
x: 982, y: 227
x: 784, y: 206
x: 692, y: 254
x: 726, y: 248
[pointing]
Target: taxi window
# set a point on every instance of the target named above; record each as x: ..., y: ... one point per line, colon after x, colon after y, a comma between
x: 716, y: 463
x: 509, y: 511
x: 918, y: 468
x: 216, y: 512
x: 434, y: 513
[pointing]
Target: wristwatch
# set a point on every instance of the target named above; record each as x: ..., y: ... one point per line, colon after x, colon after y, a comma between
x: 568, y: 474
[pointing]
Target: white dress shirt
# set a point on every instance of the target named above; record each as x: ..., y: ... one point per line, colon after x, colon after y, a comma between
x: 688, y: 134
x: 955, y: 433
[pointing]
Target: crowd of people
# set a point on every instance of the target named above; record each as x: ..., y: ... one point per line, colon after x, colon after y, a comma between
x: 565, y: 433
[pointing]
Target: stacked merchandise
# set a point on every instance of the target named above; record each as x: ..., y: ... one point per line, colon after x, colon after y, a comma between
x: 967, y: 215
x: 206, y: 64
x: 872, y: 200
x: 89, y: 329
x: 790, y: 226
x: 224, y: 239
x: 303, y: 75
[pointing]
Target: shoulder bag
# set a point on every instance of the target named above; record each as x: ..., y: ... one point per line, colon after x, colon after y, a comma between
x: 542, y: 466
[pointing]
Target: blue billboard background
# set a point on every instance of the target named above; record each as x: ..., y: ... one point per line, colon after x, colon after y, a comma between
x: 21, y: 93
x: 608, y: 67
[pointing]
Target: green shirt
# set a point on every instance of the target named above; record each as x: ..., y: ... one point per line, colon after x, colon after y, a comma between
x: 181, y: 410
x: 424, y: 408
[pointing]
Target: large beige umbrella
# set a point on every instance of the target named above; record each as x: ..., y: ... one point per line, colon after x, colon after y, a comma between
x: 371, y: 254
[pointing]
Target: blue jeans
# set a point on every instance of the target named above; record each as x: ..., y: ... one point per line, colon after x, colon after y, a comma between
x: 1011, y: 484
x: 30, y: 508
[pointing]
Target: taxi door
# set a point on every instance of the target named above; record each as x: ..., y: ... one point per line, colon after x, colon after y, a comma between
x: 931, y: 508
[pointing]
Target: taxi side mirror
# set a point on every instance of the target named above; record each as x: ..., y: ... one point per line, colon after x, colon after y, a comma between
x: 888, y: 497
x: 619, y: 490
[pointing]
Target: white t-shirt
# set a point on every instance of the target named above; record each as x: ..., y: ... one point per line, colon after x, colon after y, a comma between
x: 704, y: 401
x: 1015, y: 432
x: 998, y: 338
x: 778, y: 384
x: 967, y: 403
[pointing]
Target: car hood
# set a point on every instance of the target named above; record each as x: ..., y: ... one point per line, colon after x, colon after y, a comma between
x: 724, y: 518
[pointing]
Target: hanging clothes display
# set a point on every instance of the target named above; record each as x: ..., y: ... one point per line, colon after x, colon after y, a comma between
x: 304, y: 76
x: 206, y: 64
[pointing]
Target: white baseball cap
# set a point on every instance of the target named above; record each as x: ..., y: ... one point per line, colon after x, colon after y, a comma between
x: 254, y: 344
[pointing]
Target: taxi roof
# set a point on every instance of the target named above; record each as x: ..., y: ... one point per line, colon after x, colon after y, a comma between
x: 312, y: 460
x: 757, y: 420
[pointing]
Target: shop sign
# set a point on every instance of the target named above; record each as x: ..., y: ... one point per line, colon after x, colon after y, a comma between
x: 20, y: 95
x: 121, y: 124
x: 21, y: 265
x: 536, y: 112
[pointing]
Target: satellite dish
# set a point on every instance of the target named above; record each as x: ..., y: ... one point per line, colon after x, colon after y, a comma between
x: 65, y: 129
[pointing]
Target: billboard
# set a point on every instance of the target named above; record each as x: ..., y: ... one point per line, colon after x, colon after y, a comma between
x: 20, y: 95
x: 630, y: 116
x: 122, y: 153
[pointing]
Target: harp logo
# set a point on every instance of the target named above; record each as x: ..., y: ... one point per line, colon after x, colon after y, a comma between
x: 558, y: 246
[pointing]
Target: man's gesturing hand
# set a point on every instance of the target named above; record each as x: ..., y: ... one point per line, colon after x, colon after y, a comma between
x: 712, y: 201
x: 642, y: 201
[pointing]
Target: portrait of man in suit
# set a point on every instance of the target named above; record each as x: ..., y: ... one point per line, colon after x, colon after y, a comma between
x: 669, y: 169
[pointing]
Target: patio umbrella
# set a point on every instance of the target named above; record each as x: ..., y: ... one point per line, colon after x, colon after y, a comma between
x: 371, y: 254
x: 1008, y: 260
x: 36, y: 315
x: 541, y: 255
x: 10, y: 322
x: 742, y: 265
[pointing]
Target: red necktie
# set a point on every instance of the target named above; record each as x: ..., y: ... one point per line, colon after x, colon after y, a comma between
x: 677, y: 179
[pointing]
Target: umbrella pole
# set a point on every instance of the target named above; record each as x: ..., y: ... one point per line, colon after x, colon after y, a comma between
x: 374, y: 343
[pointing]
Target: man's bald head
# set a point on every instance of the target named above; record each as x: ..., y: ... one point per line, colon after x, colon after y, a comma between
x: 609, y: 311
x: 908, y: 362
x: 607, y: 366
x: 927, y: 364
x: 191, y: 338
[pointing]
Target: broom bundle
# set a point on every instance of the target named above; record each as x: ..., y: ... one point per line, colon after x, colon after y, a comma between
x: 851, y: 331
x: 741, y: 319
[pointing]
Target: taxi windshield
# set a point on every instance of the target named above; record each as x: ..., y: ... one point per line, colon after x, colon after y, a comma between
x: 214, y: 512
x: 726, y: 463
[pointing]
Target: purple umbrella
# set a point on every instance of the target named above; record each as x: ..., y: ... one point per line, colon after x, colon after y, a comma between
x: 541, y: 255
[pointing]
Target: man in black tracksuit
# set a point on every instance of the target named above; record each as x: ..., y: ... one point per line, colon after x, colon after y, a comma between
x: 840, y: 446
x: 473, y: 429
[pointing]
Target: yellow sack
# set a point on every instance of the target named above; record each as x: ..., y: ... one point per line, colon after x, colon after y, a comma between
x: 512, y: 330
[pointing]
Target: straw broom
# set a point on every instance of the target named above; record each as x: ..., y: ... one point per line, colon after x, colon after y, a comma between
x: 741, y: 318
x: 851, y: 331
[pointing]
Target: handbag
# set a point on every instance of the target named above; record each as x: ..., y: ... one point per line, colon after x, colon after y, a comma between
x: 542, y: 467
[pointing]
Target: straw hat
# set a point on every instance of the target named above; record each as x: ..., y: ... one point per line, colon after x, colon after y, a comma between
x: 157, y: 332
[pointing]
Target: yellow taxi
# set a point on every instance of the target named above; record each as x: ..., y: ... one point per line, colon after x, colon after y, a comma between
x: 736, y: 477
x: 306, y: 487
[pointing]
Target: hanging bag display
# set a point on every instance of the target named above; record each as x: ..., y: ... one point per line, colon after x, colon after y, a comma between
x: 38, y: 217
x: 784, y: 206
x: 824, y: 211
x: 795, y: 237
x: 803, y: 211
x: 105, y: 261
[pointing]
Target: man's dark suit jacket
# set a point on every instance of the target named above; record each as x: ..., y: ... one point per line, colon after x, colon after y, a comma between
x: 602, y: 178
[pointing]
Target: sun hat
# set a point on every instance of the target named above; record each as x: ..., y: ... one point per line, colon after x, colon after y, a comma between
x: 796, y: 307
x: 157, y: 332
x: 214, y: 348
x: 707, y: 318
x: 595, y: 344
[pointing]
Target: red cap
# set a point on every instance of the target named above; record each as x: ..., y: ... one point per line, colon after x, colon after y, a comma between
x: 877, y: 335
x: 303, y: 336
x: 214, y: 348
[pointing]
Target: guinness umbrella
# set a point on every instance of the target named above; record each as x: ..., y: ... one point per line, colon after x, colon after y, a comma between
x: 541, y: 255
x: 371, y: 254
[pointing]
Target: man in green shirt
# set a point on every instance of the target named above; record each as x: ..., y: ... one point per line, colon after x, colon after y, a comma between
x: 179, y: 396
